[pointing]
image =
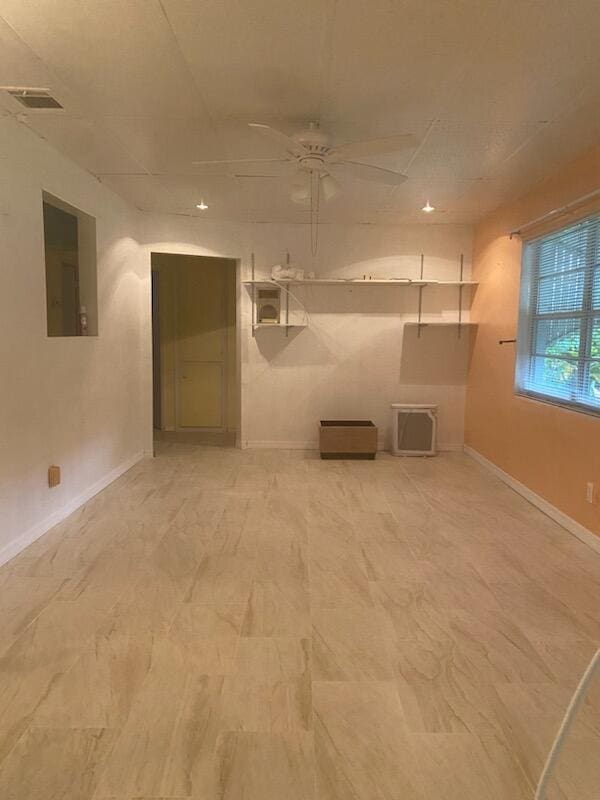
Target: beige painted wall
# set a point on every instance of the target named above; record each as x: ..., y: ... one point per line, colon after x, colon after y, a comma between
x: 553, y: 451
x: 166, y: 265
x: 73, y: 401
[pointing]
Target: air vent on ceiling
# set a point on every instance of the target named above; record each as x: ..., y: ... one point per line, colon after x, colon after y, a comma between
x: 35, y: 98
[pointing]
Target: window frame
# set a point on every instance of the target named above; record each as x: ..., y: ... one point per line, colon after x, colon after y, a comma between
x: 530, y: 316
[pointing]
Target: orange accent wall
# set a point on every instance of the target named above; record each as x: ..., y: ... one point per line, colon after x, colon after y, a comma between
x: 551, y: 450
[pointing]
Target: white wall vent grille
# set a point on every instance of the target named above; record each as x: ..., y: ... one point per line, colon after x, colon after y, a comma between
x: 34, y: 98
x: 414, y: 429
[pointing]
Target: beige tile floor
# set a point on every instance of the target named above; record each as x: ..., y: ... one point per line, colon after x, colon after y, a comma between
x: 261, y: 625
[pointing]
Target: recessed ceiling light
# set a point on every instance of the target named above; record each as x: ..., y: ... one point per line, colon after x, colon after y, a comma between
x: 202, y: 206
x: 428, y: 208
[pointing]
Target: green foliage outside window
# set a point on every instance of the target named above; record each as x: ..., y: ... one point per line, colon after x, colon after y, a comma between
x: 561, y: 373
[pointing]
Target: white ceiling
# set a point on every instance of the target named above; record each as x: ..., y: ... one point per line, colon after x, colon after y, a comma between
x: 496, y: 93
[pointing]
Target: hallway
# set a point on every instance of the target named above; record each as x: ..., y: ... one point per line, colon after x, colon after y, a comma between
x: 226, y: 624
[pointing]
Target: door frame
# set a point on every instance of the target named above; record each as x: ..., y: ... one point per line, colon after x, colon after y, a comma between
x: 157, y: 410
x: 236, y: 385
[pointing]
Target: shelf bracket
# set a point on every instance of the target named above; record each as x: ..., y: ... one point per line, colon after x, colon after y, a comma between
x: 253, y: 297
x: 421, y: 287
x: 460, y: 294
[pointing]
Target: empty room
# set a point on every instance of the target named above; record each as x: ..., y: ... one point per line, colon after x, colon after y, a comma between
x: 300, y: 417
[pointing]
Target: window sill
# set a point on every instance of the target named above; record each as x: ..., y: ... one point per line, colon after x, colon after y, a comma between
x: 577, y: 408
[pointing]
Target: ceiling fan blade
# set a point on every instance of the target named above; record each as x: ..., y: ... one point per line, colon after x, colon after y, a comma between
x: 244, y: 161
x: 275, y: 169
x: 367, y: 172
x: 281, y: 139
x: 247, y: 175
x: 329, y: 187
x: 373, y: 147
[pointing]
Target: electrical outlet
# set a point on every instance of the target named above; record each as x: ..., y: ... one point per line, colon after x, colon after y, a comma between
x: 590, y: 492
x: 53, y: 476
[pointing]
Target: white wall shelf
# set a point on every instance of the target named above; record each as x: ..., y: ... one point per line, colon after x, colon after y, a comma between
x: 420, y: 283
x: 444, y: 324
x: 457, y: 324
x: 257, y: 325
x: 404, y: 282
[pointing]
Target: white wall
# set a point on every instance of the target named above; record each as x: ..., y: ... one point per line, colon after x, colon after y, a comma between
x: 76, y: 402
x: 86, y: 403
x: 356, y: 356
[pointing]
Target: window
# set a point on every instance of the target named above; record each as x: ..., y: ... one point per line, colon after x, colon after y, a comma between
x: 559, y: 325
x: 70, y: 255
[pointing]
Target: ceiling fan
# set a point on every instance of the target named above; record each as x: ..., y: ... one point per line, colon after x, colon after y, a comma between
x: 314, y: 164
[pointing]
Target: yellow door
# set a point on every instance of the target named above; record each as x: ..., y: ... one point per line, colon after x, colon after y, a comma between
x: 201, y: 344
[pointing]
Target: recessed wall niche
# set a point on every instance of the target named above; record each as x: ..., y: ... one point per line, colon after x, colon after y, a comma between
x: 70, y: 259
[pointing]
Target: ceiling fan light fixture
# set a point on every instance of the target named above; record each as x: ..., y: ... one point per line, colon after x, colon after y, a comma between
x: 201, y: 205
x: 300, y: 196
x: 428, y: 208
x: 329, y: 187
x: 301, y: 187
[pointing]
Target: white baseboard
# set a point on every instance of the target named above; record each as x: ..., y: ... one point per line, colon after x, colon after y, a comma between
x: 13, y: 548
x: 450, y: 448
x: 259, y: 444
x: 568, y: 523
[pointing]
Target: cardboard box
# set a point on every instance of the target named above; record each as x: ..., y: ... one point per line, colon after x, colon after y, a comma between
x: 347, y: 438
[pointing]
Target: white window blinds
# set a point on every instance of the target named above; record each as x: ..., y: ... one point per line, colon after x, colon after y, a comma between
x: 559, y: 325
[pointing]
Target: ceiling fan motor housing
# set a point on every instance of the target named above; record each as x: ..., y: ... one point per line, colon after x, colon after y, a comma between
x: 313, y: 136
x: 313, y: 162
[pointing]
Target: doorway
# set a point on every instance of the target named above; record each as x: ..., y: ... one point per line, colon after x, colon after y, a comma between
x: 194, y: 349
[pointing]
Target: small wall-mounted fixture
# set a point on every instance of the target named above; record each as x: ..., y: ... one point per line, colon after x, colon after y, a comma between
x: 428, y: 208
x: 53, y: 476
x: 201, y: 205
x: 268, y: 306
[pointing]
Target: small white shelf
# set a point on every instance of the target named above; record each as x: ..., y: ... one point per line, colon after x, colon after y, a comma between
x: 358, y: 282
x: 264, y: 325
x: 444, y: 324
